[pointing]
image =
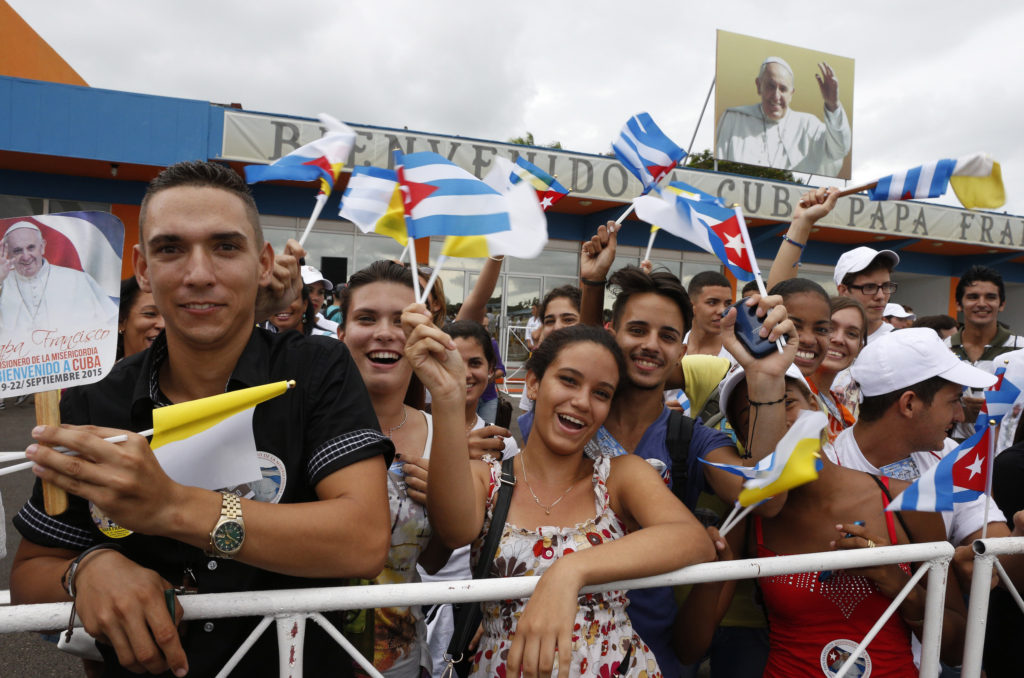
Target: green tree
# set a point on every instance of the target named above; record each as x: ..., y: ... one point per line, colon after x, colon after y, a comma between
x: 705, y: 160
x: 527, y: 140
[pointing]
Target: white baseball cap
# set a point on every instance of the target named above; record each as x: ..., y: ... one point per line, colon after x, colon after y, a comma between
x: 312, y: 274
x: 858, y: 259
x: 896, y: 311
x: 737, y: 375
x: 901, y: 359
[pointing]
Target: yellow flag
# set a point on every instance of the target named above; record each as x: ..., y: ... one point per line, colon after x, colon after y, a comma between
x: 979, y: 189
x: 178, y: 422
x: 800, y: 447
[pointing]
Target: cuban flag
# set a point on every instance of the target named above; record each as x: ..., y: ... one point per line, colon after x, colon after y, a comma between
x: 441, y: 198
x: 702, y: 219
x: 999, y: 398
x: 373, y: 202
x: 549, y: 191
x: 645, y: 151
x: 321, y: 159
x: 84, y: 241
x: 976, y: 179
x: 960, y: 476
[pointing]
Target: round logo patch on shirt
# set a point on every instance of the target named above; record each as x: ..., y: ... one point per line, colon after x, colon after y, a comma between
x: 271, y: 486
x: 106, y: 525
x: 835, y: 654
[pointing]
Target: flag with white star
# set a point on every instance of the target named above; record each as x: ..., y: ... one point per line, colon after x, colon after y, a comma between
x: 702, y: 219
x: 961, y: 476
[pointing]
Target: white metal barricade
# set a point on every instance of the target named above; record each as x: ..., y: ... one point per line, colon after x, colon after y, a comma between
x: 290, y: 608
x: 986, y: 553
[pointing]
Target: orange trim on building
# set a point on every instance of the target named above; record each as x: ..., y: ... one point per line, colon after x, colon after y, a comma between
x: 24, y: 54
x: 129, y: 216
x: 951, y: 306
x: 422, y: 250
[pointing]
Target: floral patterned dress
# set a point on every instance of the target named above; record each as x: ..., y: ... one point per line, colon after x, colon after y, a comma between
x: 603, y: 633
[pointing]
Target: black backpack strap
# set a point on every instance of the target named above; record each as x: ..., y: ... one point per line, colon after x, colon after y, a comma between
x: 677, y: 439
x: 467, y: 616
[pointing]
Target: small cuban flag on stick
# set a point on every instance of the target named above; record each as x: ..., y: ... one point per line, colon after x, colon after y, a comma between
x: 962, y: 475
x: 441, y: 198
x: 549, y: 190
x: 702, y: 219
x: 796, y: 461
x: 318, y: 160
x: 977, y: 181
x: 646, y: 152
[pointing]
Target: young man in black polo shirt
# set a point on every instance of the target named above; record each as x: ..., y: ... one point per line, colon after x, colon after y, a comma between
x: 321, y: 510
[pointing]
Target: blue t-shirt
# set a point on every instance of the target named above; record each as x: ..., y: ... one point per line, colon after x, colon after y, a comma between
x: 653, y: 611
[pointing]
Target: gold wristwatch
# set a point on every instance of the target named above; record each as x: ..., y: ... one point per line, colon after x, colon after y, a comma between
x: 227, y: 535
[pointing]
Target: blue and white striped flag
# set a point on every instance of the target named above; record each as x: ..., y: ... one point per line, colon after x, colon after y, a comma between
x: 645, y: 151
x: 441, y: 198
x: 926, y: 181
x: 960, y: 476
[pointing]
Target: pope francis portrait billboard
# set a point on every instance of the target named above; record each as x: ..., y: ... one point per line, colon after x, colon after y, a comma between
x: 783, y: 107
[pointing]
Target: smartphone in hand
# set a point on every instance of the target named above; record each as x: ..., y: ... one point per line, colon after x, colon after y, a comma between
x: 747, y: 330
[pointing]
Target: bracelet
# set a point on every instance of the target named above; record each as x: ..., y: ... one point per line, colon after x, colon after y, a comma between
x: 594, y: 283
x: 498, y: 258
x: 67, y: 581
x: 786, y: 238
x: 754, y: 403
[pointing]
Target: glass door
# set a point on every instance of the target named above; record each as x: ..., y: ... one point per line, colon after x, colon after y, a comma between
x: 521, y: 293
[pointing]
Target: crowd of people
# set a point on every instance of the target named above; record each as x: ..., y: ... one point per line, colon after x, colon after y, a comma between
x: 394, y: 460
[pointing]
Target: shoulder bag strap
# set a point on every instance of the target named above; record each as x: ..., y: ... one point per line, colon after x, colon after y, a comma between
x: 467, y: 615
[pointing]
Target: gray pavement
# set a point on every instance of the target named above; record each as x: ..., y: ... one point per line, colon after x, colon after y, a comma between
x: 23, y: 655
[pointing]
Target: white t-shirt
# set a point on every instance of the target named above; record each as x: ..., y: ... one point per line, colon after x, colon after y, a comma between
x: 532, y: 324
x: 883, y: 329
x: 324, y: 327
x: 441, y: 622
x: 965, y: 518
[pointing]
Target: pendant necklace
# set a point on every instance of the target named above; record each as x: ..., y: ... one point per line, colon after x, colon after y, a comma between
x: 405, y: 417
x: 547, y: 509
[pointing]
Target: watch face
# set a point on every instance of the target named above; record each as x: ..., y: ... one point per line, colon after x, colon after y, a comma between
x: 228, y: 537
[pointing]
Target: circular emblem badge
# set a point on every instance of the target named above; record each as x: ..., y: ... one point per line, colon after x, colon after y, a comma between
x: 271, y: 486
x: 835, y: 654
x: 106, y: 525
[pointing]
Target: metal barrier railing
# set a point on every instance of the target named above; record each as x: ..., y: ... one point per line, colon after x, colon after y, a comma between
x: 290, y: 608
x: 986, y: 554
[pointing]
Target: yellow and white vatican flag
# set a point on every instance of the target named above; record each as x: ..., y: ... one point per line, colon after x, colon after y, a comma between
x: 209, y: 442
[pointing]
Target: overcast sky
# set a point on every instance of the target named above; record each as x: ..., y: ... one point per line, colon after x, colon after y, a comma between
x: 932, y: 79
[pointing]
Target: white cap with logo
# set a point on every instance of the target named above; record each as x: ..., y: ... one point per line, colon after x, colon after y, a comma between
x: 858, y: 259
x: 898, y: 360
x: 311, y: 274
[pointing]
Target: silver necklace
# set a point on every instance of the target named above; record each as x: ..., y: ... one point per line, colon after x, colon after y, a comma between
x: 547, y: 509
x: 405, y: 417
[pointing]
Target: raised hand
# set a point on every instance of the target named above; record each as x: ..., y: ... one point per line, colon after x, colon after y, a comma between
x: 432, y: 355
x: 829, y: 85
x: 816, y: 204
x: 285, y: 283
x: 598, y: 253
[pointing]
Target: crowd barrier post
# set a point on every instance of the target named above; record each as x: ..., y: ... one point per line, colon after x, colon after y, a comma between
x: 986, y: 554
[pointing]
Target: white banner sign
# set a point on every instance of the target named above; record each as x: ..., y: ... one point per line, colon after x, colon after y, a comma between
x: 255, y: 138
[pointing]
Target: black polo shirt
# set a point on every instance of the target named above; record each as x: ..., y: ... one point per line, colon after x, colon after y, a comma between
x: 322, y: 425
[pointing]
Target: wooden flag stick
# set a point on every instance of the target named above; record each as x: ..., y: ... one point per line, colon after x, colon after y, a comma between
x: 857, y: 189
x: 55, y: 500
